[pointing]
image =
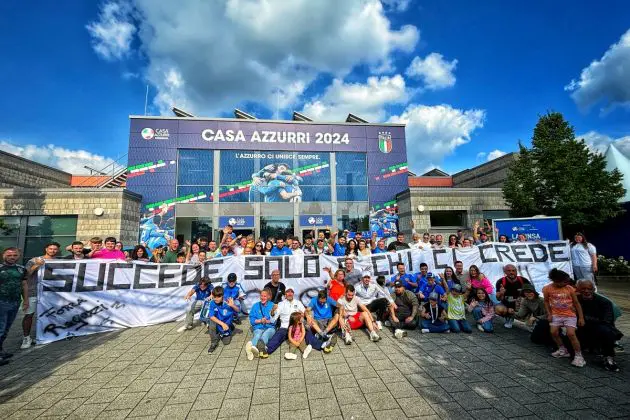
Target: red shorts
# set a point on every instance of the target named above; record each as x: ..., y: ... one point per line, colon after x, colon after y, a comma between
x: 354, y: 321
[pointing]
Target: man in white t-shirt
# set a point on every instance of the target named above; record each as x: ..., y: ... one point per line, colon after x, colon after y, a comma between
x: 354, y: 315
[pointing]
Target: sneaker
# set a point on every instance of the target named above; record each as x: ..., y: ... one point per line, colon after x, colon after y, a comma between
x: 213, y: 346
x: 328, y: 345
x: 619, y: 348
x: 27, y: 341
x: 262, y: 349
x: 348, y: 339
x: 249, y: 350
x: 424, y: 330
x: 398, y: 333
x: 509, y: 322
x: 290, y: 356
x: 322, y: 336
x: 379, y: 325
x: 374, y: 336
x: 387, y: 324
x: 561, y: 352
x: 578, y: 361
x: 611, y: 366
x: 307, y: 351
x: 480, y: 328
x: 187, y: 327
x: 237, y: 321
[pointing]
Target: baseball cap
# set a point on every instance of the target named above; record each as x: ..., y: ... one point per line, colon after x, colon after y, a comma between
x: 289, y: 288
x: 457, y: 288
x: 398, y: 283
x: 434, y: 296
x: 232, y: 277
x: 430, y: 274
x: 366, y: 274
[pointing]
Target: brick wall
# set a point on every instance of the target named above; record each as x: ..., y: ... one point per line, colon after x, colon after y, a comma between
x: 24, y: 173
x: 472, y: 200
x: 120, y: 218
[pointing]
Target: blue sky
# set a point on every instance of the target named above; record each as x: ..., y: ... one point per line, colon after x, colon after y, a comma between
x: 469, y: 78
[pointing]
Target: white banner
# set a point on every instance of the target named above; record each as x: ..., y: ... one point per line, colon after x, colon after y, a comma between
x: 89, y: 296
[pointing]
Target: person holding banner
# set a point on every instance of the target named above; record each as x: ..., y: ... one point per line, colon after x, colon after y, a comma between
x: 201, y: 292
x: 337, y: 284
x: 263, y: 324
x: 221, y: 315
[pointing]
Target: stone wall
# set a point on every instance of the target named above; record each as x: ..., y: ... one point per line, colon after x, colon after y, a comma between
x: 120, y: 219
x: 24, y: 173
x: 489, y: 175
x: 472, y: 200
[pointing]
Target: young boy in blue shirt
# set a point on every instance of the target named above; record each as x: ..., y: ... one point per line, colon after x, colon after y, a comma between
x: 201, y: 292
x: 431, y: 287
x: 221, y: 317
x: 233, y: 290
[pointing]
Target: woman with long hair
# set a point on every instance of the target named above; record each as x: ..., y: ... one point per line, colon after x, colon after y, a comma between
x: 139, y: 253
x: 453, y: 242
x: 504, y: 239
x: 583, y: 257
x: 478, y: 280
x: 268, y: 247
x: 352, y: 250
x: 364, y: 249
x: 259, y: 248
x: 449, y: 279
x: 192, y: 255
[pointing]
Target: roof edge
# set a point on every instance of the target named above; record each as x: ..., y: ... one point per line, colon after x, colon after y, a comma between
x: 147, y: 117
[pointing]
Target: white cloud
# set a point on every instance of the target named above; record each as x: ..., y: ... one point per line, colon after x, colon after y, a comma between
x: 71, y: 161
x: 113, y: 32
x: 226, y: 53
x: 495, y: 154
x: 599, y: 142
x: 396, y: 5
x: 481, y: 156
x: 434, y: 70
x: 367, y: 101
x: 605, y: 80
x: 433, y: 132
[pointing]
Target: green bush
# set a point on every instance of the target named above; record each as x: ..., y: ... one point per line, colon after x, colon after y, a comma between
x: 613, y: 266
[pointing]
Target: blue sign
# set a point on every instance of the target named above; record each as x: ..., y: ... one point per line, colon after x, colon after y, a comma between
x: 535, y: 229
x: 315, y: 220
x: 237, y: 222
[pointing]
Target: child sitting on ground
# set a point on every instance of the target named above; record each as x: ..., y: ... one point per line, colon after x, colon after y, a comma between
x: 297, y: 335
x: 563, y: 310
x: 221, y: 318
x: 434, y: 316
x: 482, y: 309
x: 456, y: 310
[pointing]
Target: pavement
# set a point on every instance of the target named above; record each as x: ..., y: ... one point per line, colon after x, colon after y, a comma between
x: 164, y: 372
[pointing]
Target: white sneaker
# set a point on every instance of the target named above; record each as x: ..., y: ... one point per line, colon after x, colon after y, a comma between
x: 26, y: 342
x: 508, y: 323
x: 290, y: 356
x: 480, y: 328
x: 388, y: 324
x: 374, y: 336
x: 348, y: 339
x: 307, y: 351
x: 424, y: 330
x: 578, y: 361
x: 379, y: 325
x: 561, y: 352
x: 398, y: 333
x: 249, y: 350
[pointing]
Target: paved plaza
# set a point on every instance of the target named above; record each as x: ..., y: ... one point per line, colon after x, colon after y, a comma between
x: 163, y: 372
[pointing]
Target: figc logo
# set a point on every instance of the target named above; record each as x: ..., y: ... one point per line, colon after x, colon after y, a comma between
x: 147, y: 133
x: 385, y: 141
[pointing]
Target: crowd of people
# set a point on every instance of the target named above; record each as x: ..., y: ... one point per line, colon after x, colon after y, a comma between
x: 570, y: 315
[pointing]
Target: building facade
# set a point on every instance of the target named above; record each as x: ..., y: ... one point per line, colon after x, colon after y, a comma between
x: 488, y: 175
x: 270, y: 178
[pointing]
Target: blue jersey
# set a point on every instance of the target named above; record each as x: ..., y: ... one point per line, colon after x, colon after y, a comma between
x: 405, y: 278
x: 324, y: 311
x: 201, y: 294
x: 428, y: 289
x: 275, y: 251
x: 223, y: 312
x: 232, y: 292
x: 339, y: 250
x: 272, y: 191
x: 378, y: 250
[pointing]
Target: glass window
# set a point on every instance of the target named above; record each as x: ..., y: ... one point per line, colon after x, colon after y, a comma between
x: 200, y: 193
x: 351, y: 169
x: 447, y: 218
x: 316, y: 193
x: 41, y: 230
x: 237, y: 166
x: 352, y: 193
x: 353, y: 216
x: 9, y: 231
x: 195, y: 167
x: 277, y: 227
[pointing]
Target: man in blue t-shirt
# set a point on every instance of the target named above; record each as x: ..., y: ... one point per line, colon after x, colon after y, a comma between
x: 280, y: 248
x: 408, y: 280
x: 233, y: 290
x: 431, y: 287
x: 221, y: 315
x: 421, y: 276
x: 339, y: 246
x: 201, y: 292
x: 322, y: 317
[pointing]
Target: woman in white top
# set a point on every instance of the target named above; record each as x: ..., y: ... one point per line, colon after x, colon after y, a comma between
x: 583, y: 258
x: 363, y: 251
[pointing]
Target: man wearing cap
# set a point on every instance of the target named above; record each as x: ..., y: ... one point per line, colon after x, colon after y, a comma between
x: 373, y: 297
x: 403, y: 311
x: 508, y: 290
x: 226, y: 251
x: 233, y: 290
x: 431, y: 287
x: 408, y: 280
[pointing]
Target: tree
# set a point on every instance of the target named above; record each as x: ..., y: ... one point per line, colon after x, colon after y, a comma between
x: 560, y: 176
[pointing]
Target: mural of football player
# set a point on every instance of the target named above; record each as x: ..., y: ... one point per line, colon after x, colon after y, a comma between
x: 384, y: 222
x: 275, y: 183
x: 157, y: 229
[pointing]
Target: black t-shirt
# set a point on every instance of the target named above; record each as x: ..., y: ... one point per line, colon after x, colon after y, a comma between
x: 512, y: 289
x: 435, y: 315
x: 277, y: 292
x: 397, y: 246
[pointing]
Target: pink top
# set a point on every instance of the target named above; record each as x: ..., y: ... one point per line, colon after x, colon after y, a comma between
x: 484, y: 284
x: 296, y: 333
x: 106, y: 254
